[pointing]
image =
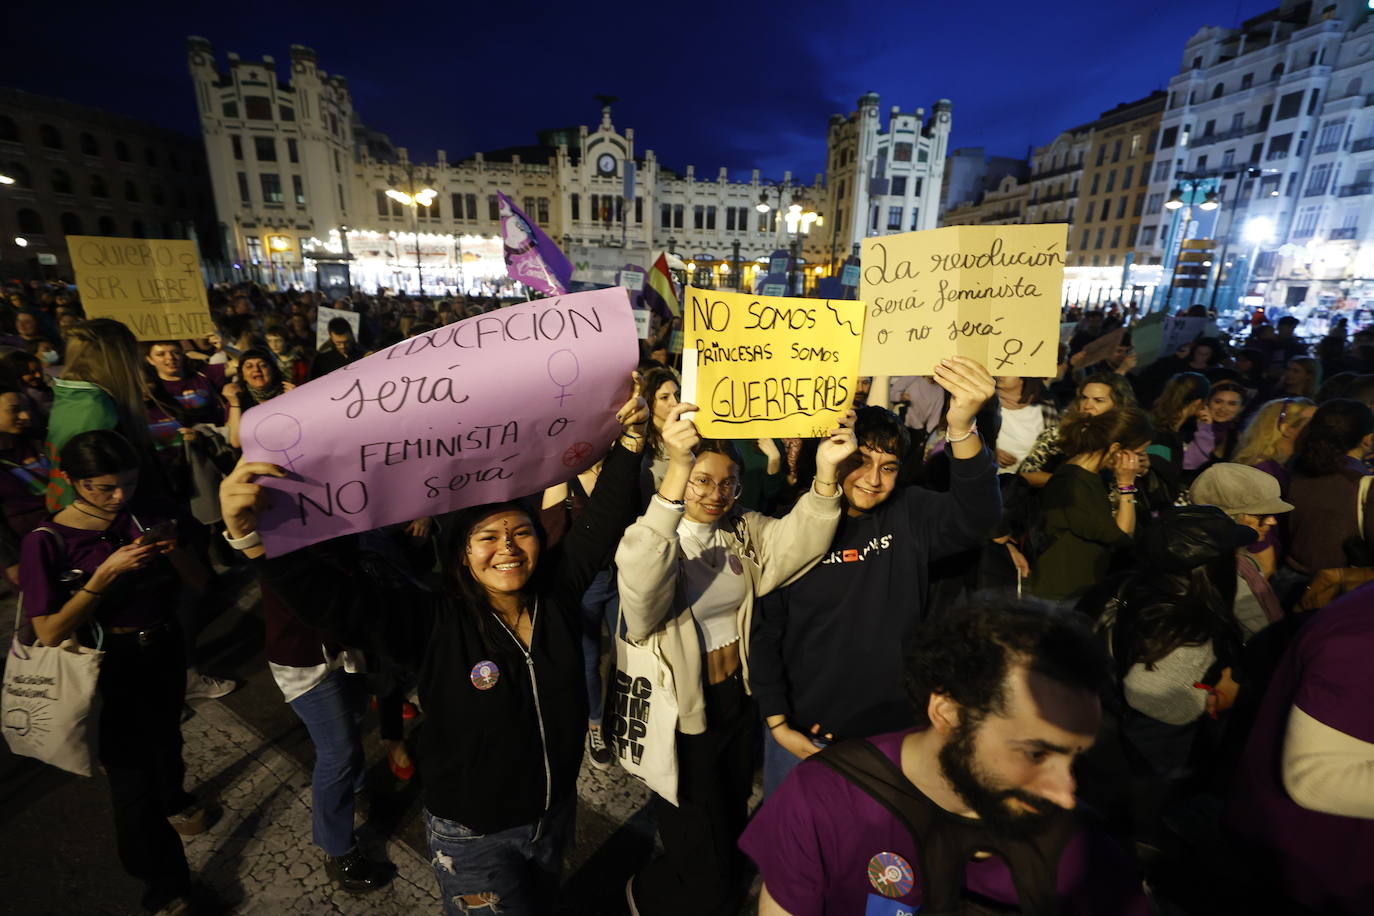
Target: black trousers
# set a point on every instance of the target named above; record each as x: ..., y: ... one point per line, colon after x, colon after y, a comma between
x: 142, y: 688
x: 701, y: 869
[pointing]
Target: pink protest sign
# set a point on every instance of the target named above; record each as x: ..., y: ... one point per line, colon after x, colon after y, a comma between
x: 490, y: 408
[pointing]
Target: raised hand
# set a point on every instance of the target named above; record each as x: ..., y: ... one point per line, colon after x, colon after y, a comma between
x: 969, y: 385
x: 634, y: 413
x: 241, y: 498
x: 680, y: 436
x: 833, y: 451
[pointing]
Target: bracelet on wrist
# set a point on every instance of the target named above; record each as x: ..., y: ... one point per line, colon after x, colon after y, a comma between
x: 973, y: 428
x: 777, y: 725
x: 824, y: 483
x: 1126, y: 488
x: 676, y: 503
x: 90, y: 592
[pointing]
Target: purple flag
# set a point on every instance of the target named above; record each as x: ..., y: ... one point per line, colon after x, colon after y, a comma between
x: 531, y: 256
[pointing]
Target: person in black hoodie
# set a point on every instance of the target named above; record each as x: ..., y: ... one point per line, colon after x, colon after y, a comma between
x: 499, y: 656
x: 826, y: 660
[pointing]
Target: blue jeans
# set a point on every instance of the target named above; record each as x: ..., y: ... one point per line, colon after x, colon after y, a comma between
x: 778, y: 761
x: 515, y: 871
x: 330, y: 711
x: 601, y: 601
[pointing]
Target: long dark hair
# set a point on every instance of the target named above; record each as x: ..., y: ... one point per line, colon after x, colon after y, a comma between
x: 655, y: 379
x: 1324, y: 443
x: 275, y: 378
x: 456, y: 528
x: 1181, y: 390
x: 95, y: 453
x: 1155, y: 618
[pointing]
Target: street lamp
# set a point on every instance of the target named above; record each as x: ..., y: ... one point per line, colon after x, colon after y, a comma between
x: 799, y: 222
x: 21, y: 241
x: 1191, y: 191
x: 5, y: 179
x: 414, y: 200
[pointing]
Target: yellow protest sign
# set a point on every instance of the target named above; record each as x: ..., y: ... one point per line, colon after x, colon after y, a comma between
x: 152, y: 285
x: 991, y: 293
x: 768, y: 365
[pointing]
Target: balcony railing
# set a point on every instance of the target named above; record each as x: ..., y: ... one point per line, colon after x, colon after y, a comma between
x: 1362, y: 144
x: 1355, y: 190
x: 1327, y: 148
x: 1345, y: 232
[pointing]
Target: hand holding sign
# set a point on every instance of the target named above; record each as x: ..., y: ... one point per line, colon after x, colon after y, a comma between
x: 833, y: 451
x: 680, y: 436
x: 242, y: 499
x: 969, y: 386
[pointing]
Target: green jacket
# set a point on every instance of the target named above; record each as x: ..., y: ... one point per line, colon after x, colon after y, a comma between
x: 76, y: 408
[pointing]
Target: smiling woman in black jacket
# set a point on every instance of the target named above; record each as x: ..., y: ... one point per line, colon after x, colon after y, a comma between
x: 499, y: 656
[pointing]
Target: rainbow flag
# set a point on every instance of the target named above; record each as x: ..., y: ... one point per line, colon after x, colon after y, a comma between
x: 660, y: 292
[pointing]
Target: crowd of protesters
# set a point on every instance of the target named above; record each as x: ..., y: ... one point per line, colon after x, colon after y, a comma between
x: 1077, y: 644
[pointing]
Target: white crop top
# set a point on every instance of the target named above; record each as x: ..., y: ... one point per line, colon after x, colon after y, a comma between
x: 715, y: 581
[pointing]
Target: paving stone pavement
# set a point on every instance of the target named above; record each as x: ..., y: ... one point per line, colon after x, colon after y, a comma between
x: 258, y: 857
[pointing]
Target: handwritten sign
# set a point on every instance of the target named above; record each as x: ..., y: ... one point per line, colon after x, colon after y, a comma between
x: 642, y: 323
x: 493, y: 407
x: 769, y: 366
x: 1101, y: 348
x: 987, y: 292
x: 1180, y: 330
x: 152, y: 285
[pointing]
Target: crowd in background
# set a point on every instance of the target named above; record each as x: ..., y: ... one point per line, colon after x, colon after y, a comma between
x: 1201, y: 528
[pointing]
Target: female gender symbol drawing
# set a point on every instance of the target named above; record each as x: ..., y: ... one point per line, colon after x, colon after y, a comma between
x: 563, y: 370
x: 279, y: 433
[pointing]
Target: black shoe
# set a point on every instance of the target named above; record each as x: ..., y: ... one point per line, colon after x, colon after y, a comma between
x: 356, y: 873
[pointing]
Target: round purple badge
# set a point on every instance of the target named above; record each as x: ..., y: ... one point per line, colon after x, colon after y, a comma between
x: 890, y: 875
x: 484, y: 675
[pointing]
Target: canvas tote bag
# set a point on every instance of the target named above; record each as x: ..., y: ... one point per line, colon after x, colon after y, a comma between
x: 641, y: 722
x: 49, y: 708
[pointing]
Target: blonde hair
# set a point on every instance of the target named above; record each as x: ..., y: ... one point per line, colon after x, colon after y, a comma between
x: 1261, y: 438
x: 105, y: 353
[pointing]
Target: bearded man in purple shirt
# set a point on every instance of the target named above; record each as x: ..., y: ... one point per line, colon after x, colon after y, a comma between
x: 972, y: 810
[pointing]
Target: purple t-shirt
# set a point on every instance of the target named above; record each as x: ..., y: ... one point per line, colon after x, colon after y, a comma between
x: 824, y: 846
x: 139, y: 599
x: 1322, y: 860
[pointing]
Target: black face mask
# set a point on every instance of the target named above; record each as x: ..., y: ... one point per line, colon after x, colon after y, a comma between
x: 990, y: 803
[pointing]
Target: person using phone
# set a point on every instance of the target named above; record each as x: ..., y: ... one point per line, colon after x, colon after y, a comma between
x: 103, y: 563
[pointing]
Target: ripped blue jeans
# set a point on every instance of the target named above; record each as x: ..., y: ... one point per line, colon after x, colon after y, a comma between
x: 515, y: 873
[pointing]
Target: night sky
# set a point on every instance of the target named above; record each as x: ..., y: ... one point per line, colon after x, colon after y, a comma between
x: 708, y: 83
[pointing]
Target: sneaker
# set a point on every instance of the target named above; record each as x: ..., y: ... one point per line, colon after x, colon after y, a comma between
x: 356, y: 873
x: 598, y: 754
x: 192, y: 820
x: 203, y: 687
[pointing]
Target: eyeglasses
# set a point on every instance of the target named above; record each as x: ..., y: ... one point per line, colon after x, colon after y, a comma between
x: 702, y: 487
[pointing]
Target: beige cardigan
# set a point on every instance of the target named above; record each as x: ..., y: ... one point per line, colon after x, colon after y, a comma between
x: 774, y: 551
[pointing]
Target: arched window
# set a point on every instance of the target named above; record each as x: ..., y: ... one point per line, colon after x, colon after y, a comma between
x: 71, y: 224
x: 122, y: 151
x: 61, y: 182
x: 30, y: 222
x: 107, y: 226
x: 1276, y: 72
x: 137, y: 229
x: 1218, y: 90
x: 131, y: 192
x: 49, y: 137
x: 90, y: 146
x: 19, y: 173
x: 8, y: 129
x: 98, y: 186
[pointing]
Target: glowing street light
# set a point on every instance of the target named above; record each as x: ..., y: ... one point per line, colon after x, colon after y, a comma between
x: 5, y: 179
x: 21, y: 241
x: 1259, y: 229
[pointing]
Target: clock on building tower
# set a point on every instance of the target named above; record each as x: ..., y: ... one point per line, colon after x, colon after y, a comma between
x: 605, y: 165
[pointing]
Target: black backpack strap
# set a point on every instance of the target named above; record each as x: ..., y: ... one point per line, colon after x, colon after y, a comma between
x: 944, y: 844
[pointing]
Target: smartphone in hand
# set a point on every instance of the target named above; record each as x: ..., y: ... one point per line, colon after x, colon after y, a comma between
x: 162, y: 531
